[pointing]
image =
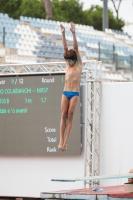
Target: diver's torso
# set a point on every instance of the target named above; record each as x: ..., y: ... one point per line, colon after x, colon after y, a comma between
x: 72, y: 77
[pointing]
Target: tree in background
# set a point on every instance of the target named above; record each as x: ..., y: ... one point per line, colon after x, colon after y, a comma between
x: 29, y: 8
x: 11, y: 7
x: 32, y: 8
x: 48, y: 8
x: 68, y: 10
x: 116, y: 7
x: 114, y: 22
x: 63, y: 10
x: 72, y: 10
x: 94, y: 17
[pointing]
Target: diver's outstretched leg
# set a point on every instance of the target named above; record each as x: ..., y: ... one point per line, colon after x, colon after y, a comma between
x: 64, y: 110
x: 72, y: 105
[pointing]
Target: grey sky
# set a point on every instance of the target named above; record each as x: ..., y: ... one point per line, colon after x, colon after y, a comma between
x: 126, y: 8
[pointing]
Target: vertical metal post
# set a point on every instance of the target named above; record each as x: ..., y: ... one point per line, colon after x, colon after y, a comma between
x: 4, y: 36
x: 88, y: 128
x: 131, y: 64
x: 116, y: 62
x: 113, y: 53
x: 99, y: 51
x: 85, y: 142
x: 105, y: 15
x: 113, y: 61
x: 92, y: 125
x: 92, y: 129
x: 96, y: 121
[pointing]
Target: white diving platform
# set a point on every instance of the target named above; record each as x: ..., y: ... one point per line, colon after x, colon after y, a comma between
x: 117, y: 176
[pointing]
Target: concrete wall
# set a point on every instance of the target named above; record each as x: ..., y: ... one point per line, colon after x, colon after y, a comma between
x: 28, y: 176
x: 116, y: 130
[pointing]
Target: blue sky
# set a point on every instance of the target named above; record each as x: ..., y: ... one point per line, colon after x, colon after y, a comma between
x: 126, y: 8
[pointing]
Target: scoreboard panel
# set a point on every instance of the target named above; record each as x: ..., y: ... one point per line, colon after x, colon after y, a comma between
x: 30, y: 111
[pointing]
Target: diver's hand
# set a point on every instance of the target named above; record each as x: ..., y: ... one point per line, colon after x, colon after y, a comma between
x: 72, y: 27
x: 62, y: 28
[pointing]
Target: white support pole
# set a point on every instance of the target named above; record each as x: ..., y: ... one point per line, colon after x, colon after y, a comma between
x: 92, y: 126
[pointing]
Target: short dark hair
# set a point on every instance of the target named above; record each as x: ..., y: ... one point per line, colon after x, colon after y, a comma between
x: 70, y: 54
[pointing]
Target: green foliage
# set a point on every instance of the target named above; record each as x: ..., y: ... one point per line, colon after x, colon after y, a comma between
x: 115, y: 23
x: 29, y: 8
x: 63, y: 10
x: 94, y: 18
x: 72, y: 10
x: 68, y: 10
x: 10, y: 7
x: 32, y: 8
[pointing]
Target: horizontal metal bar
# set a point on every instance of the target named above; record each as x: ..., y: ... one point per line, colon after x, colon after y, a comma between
x: 46, y: 63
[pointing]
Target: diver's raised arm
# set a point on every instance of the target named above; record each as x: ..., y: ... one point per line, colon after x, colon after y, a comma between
x: 75, y: 43
x: 64, y: 38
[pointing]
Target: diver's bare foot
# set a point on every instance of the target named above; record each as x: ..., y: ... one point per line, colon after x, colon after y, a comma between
x: 60, y: 145
x: 64, y: 147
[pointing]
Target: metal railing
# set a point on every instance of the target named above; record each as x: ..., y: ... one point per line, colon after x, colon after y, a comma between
x: 110, y: 56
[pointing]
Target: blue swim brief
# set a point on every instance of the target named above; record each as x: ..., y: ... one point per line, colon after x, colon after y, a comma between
x: 70, y: 94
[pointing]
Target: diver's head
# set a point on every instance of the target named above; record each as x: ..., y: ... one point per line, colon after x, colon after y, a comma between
x: 70, y: 56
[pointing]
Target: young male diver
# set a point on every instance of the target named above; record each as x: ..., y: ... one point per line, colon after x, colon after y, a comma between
x: 70, y: 93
